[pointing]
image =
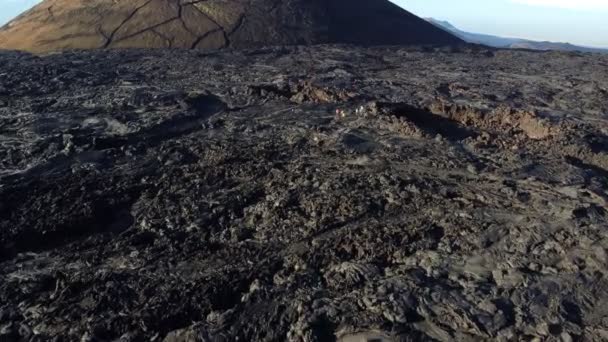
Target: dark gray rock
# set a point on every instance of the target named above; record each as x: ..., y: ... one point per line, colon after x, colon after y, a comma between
x: 187, y: 195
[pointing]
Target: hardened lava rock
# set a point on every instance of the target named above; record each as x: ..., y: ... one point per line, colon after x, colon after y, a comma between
x: 327, y: 193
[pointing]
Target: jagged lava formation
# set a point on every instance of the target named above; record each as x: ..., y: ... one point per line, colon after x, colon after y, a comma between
x: 295, y: 193
x: 86, y: 24
x: 303, y: 194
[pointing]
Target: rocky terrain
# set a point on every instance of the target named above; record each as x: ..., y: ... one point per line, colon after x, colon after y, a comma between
x: 56, y: 25
x: 328, y: 193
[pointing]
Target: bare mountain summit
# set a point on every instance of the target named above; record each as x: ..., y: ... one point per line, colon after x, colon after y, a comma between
x: 88, y: 24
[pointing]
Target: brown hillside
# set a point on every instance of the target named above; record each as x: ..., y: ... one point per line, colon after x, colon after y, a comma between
x: 86, y: 24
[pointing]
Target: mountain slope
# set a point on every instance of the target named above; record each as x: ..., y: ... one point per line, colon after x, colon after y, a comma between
x: 84, y: 24
x: 514, y: 43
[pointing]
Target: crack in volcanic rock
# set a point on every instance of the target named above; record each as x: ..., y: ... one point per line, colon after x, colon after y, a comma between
x: 110, y: 38
x: 212, y: 24
x: 320, y: 193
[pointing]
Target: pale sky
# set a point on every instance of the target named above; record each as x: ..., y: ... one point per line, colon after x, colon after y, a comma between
x: 12, y: 8
x: 582, y: 22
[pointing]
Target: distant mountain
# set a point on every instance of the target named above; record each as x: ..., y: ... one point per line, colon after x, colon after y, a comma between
x: 513, y: 43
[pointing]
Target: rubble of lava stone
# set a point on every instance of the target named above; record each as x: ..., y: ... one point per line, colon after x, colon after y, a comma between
x: 326, y: 193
